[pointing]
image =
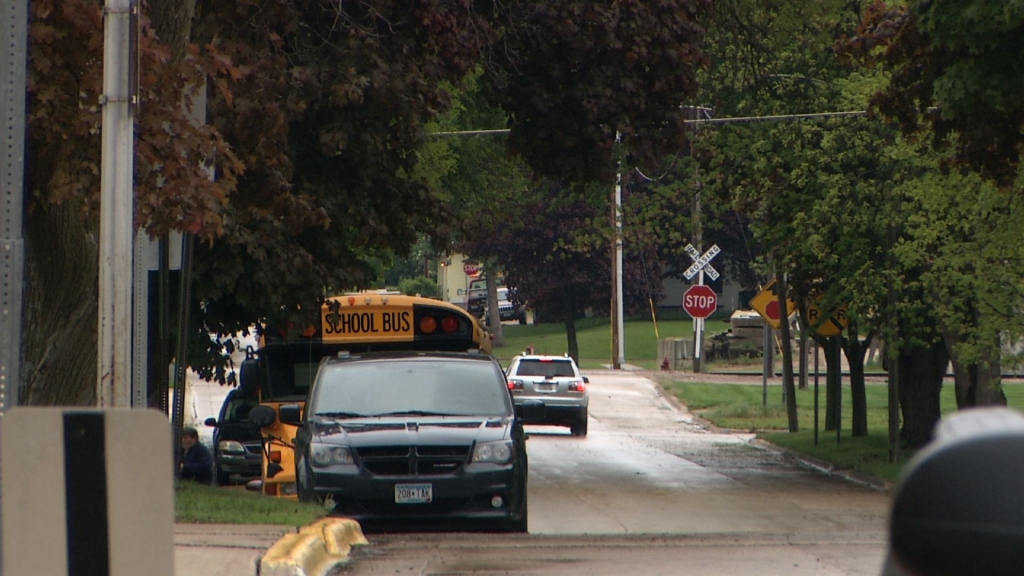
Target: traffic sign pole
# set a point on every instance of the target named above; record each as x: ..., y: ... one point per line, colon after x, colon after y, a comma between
x: 704, y: 304
x: 698, y: 336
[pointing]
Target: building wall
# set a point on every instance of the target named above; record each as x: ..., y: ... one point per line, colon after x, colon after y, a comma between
x: 452, y: 281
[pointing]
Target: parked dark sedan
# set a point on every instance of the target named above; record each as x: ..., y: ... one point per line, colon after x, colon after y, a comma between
x: 415, y: 437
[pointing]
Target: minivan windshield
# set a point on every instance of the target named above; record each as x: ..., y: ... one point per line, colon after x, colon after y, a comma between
x: 415, y: 386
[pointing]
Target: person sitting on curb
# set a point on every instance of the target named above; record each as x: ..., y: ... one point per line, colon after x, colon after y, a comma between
x: 197, y: 461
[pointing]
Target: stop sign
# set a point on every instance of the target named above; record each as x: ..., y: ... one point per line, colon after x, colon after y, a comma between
x: 700, y: 301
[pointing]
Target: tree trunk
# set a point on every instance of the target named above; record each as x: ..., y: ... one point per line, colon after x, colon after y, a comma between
x: 787, y: 356
x: 493, y: 314
x: 570, y: 334
x: 977, y: 384
x: 61, y: 307
x: 172, y: 21
x: 833, y: 392
x: 921, y: 370
x: 855, y: 350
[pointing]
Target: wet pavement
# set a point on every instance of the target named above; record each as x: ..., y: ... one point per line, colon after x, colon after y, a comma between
x: 222, y: 549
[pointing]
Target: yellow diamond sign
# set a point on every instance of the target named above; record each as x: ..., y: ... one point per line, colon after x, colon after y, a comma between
x: 767, y: 305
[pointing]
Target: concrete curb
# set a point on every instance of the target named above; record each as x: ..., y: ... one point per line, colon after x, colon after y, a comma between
x: 314, y: 550
x: 826, y: 467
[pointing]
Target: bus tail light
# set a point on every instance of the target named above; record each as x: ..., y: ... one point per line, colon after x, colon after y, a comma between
x: 449, y: 324
x: 275, y: 456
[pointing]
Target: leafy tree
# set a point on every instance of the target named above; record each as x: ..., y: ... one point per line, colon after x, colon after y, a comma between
x: 956, y: 70
x: 555, y: 261
x: 316, y: 119
x: 420, y: 285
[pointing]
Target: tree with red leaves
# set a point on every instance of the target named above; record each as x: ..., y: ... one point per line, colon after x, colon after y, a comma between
x: 316, y: 112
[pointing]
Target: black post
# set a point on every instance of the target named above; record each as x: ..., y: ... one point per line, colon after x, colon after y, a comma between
x: 181, y: 354
x: 839, y: 387
x: 817, y: 350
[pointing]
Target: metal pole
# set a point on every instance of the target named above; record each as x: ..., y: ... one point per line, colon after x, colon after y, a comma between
x: 766, y: 343
x: 698, y: 329
x: 140, y: 326
x: 839, y: 388
x: 181, y: 355
x: 14, y: 24
x: 817, y: 352
x: 113, y: 386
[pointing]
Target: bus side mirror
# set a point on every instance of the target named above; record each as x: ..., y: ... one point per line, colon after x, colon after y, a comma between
x: 290, y: 414
x: 958, y: 508
x: 262, y: 416
x: 249, y: 376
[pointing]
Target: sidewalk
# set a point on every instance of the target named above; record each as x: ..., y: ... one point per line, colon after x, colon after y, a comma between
x: 222, y: 549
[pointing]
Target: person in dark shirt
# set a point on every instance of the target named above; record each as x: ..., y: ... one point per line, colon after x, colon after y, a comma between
x: 197, y: 462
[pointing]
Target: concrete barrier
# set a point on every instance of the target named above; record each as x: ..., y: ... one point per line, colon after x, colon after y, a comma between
x: 314, y: 550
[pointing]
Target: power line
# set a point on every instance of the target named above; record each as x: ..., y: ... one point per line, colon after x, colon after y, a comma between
x: 733, y: 120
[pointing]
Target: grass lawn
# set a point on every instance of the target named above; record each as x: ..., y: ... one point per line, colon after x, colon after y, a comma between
x: 739, y: 406
x: 595, y: 338
x: 195, y: 503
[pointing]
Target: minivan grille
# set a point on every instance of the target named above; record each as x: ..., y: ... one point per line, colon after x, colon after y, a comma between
x: 412, y: 460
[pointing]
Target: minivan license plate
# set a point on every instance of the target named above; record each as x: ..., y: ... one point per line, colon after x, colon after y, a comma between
x: 414, y: 493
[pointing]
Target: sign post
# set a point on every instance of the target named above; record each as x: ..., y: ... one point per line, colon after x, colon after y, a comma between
x: 826, y: 328
x: 700, y: 301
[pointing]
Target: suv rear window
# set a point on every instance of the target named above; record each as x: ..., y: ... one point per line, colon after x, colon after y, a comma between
x: 546, y: 368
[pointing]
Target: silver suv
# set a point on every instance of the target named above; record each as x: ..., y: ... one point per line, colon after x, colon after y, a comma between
x: 557, y: 383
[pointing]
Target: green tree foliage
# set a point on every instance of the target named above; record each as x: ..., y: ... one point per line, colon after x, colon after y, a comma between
x: 581, y: 73
x: 420, y: 285
x: 956, y: 69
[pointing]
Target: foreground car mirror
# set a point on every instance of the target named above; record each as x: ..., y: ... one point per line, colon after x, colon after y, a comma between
x: 210, y: 422
x: 290, y: 414
x: 262, y: 416
x: 532, y: 410
x: 958, y: 508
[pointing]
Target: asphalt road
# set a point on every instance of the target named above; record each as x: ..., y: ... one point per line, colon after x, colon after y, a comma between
x: 651, y: 491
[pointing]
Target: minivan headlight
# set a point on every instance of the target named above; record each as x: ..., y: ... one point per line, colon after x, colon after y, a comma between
x: 500, y: 452
x: 230, y: 447
x: 323, y: 455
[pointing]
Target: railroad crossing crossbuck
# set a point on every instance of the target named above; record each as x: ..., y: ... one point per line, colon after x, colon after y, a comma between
x: 702, y: 262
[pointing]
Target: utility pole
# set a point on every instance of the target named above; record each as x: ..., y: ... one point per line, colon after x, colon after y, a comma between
x: 113, y: 386
x: 618, y: 339
x: 698, y: 238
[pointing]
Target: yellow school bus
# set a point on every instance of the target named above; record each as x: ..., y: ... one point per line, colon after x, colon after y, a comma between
x: 285, y: 364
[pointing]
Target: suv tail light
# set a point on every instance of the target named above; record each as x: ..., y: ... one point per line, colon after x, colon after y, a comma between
x: 577, y: 386
x: 515, y: 384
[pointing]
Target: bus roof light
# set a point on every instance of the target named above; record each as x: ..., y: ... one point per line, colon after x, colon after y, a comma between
x: 428, y: 324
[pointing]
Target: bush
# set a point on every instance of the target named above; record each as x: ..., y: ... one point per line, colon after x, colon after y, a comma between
x: 420, y: 285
